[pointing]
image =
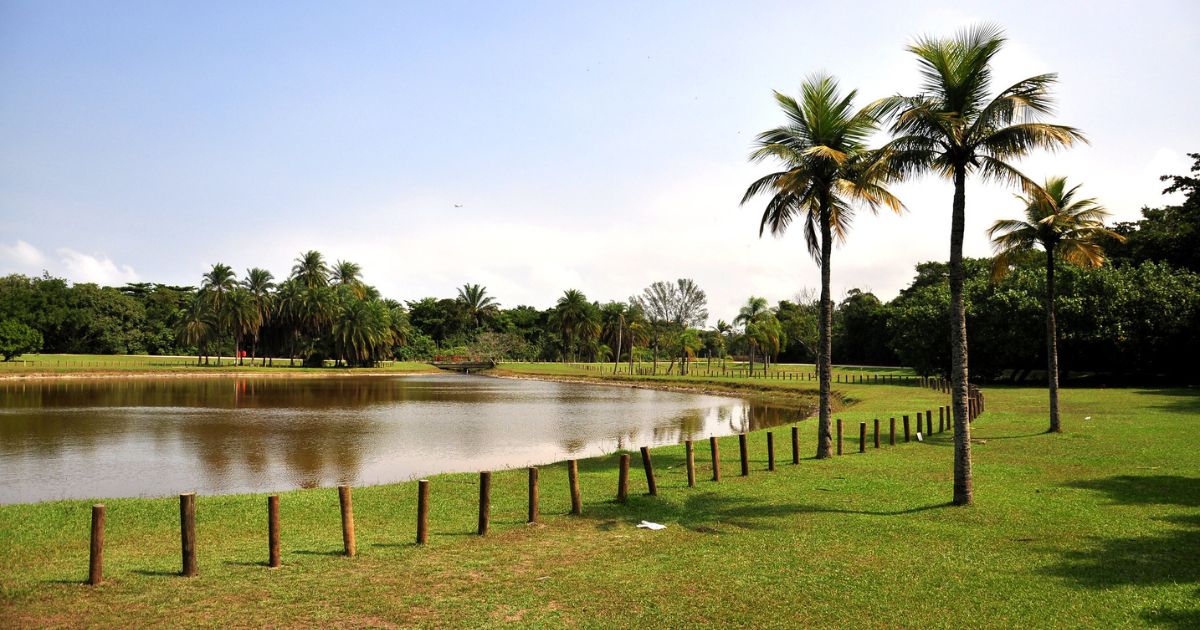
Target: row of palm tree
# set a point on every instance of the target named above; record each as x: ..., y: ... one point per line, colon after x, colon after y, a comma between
x: 318, y: 308
x: 952, y: 127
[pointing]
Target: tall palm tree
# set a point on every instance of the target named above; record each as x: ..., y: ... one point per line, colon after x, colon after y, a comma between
x: 612, y: 317
x: 754, y: 308
x: 477, y: 301
x: 215, y: 288
x: 196, y: 326
x: 361, y: 329
x: 243, y: 318
x: 726, y: 331
x: 827, y: 169
x: 1062, y: 226
x: 259, y: 283
x: 571, y: 315
x: 952, y: 128
x: 310, y: 269
x: 348, y: 274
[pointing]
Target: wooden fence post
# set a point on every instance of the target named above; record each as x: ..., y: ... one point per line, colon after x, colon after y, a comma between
x: 573, y: 481
x: 273, y: 559
x: 716, y: 457
x: 422, y: 511
x: 649, y: 467
x: 839, y: 436
x: 862, y: 437
x: 533, y: 495
x: 744, y: 451
x: 892, y: 431
x: 929, y: 421
x: 771, y: 450
x: 485, y: 501
x: 187, y: 532
x: 795, y: 445
x: 941, y: 418
x: 691, y: 463
x: 347, y: 505
x: 907, y: 434
x: 96, y: 559
x: 876, y: 432
x: 919, y: 421
x: 623, y: 479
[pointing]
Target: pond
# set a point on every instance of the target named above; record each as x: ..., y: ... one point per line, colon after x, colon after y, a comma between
x: 127, y: 437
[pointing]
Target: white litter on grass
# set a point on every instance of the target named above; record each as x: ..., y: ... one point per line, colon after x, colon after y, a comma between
x: 651, y: 526
x: 919, y: 438
x: 1087, y: 418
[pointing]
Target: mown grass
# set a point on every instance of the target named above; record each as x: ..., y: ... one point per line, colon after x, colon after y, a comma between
x: 85, y: 364
x: 1097, y: 527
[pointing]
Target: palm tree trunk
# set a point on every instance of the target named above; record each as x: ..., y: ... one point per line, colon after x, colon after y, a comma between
x: 751, y: 346
x: 825, y: 341
x: 617, y: 356
x: 1051, y: 344
x: 963, y: 482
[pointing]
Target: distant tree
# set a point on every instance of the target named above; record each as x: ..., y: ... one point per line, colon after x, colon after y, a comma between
x: 477, y: 302
x: 572, y: 316
x: 218, y: 284
x: 1169, y: 234
x: 196, y: 326
x: 748, y: 316
x: 17, y: 339
x: 310, y: 270
x: 258, y: 284
x: 1061, y: 225
x: 612, y: 322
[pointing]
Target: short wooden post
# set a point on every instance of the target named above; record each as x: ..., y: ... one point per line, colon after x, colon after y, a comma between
x: 929, y: 421
x: 648, y: 465
x: 745, y: 453
x: 716, y: 457
x: 345, y: 500
x: 907, y: 433
x: 839, y: 436
x: 691, y: 463
x: 96, y: 559
x: 892, y: 431
x: 941, y: 419
x: 623, y: 479
x: 187, y: 532
x: 862, y: 437
x: 533, y: 495
x: 795, y: 445
x: 273, y: 559
x: 422, y: 511
x: 876, y: 432
x: 485, y: 501
x: 770, y: 450
x: 919, y: 421
x: 573, y: 481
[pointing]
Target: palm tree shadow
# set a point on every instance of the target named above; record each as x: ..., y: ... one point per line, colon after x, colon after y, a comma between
x: 1150, y: 560
x: 706, y: 512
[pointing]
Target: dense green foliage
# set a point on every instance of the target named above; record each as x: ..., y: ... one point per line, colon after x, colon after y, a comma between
x: 17, y: 339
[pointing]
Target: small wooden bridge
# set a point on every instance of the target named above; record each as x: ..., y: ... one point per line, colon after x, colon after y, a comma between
x: 462, y: 364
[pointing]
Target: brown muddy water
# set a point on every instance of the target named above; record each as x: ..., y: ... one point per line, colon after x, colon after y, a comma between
x: 113, y: 437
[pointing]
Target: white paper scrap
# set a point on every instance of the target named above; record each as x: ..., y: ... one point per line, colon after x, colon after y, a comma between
x: 919, y: 438
x: 651, y: 526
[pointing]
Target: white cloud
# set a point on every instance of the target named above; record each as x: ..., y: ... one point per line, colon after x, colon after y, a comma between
x: 80, y: 267
x: 22, y: 256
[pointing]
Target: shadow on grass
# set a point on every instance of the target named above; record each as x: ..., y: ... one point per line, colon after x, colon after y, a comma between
x: 157, y: 573
x: 1159, y: 559
x: 311, y: 552
x: 704, y: 511
x: 1178, y: 400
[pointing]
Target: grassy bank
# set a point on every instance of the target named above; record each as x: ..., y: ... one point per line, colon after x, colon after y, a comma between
x: 1095, y: 527
x: 50, y: 365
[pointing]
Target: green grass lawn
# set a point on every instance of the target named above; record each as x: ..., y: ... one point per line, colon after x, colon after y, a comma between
x: 1096, y: 527
x: 53, y: 364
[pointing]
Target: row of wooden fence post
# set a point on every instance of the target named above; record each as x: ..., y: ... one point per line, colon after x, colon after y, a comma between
x: 187, y: 501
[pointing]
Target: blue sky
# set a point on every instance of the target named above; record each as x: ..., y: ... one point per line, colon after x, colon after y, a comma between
x: 598, y: 146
